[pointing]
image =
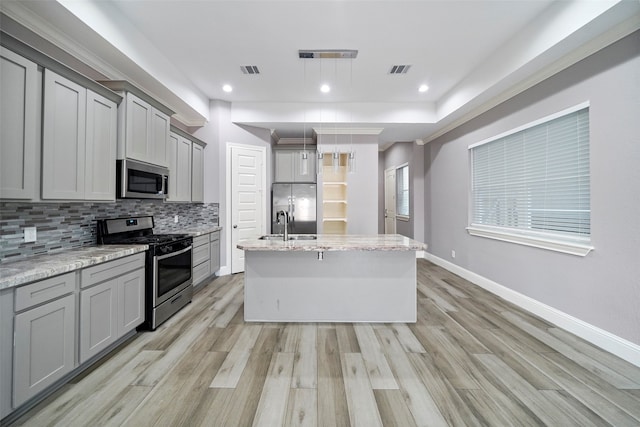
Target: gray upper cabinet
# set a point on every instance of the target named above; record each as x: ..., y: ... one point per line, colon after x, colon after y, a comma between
x: 179, y: 162
x: 185, y: 158
x: 287, y: 166
x: 144, y: 129
x: 100, y: 155
x: 143, y: 125
x: 197, y: 173
x: 18, y: 125
x: 63, y: 138
x: 137, y: 128
x: 157, y: 148
x: 78, y: 142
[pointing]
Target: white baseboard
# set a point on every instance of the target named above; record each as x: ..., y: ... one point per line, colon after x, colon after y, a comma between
x: 224, y: 271
x: 596, y: 336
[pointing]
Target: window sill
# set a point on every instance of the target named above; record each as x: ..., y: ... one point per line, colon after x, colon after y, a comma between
x: 404, y: 218
x: 572, y: 248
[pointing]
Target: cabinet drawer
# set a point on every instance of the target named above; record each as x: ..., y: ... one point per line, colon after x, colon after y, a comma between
x: 201, y: 254
x: 200, y: 272
x: 200, y: 240
x: 215, y: 236
x: 45, y: 290
x: 108, y: 270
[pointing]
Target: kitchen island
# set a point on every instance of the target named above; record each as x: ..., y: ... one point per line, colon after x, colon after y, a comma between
x: 333, y: 278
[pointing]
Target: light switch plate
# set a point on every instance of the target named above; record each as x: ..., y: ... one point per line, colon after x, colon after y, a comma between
x: 30, y: 234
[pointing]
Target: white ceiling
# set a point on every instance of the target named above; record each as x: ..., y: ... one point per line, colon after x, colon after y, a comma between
x: 471, y: 54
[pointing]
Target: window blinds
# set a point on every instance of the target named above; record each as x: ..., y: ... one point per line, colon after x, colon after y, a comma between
x: 535, y: 179
x: 402, y: 191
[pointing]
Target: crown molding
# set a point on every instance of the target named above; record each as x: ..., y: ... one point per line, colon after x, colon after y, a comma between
x: 589, y: 48
x: 348, y: 131
x: 42, y: 28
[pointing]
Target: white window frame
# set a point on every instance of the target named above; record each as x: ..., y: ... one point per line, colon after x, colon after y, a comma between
x: 578, y: 245
x: 401, y: 216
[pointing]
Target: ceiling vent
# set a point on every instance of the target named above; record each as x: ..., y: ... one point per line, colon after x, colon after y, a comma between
x: 327, y: 53
x: 399, y: 69
x: 250, y: 69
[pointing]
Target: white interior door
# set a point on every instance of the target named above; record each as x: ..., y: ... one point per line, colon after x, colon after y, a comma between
x: 390, y: 201
x: 247, y: 199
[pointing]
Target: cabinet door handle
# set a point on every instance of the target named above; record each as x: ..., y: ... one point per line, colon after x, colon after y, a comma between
x: 235, y: 226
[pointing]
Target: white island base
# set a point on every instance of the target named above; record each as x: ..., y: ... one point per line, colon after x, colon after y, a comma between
x: 346, y: 286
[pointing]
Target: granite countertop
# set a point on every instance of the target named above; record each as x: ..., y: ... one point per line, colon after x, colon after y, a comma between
x: 200, y: 230
x: 333, y: 242
x: 15, y: 273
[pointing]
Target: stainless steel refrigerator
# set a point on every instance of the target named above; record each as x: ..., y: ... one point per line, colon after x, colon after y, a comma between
x: 300, y: 201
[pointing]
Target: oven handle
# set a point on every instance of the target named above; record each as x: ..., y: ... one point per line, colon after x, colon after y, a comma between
x: 173, y: 253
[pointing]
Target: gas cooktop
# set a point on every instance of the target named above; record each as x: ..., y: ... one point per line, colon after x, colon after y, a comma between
x: 134, y: 230
x: 151, y: 239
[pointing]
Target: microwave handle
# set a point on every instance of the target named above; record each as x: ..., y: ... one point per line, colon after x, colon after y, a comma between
x: 165, y: 185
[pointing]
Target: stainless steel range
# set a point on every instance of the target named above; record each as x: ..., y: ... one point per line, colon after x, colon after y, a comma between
x: 168, y: 264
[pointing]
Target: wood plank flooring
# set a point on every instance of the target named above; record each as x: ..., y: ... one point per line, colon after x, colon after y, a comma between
x: 471, y: 359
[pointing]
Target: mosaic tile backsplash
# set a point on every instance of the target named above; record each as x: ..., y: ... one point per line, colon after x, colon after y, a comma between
x: 69, y: 225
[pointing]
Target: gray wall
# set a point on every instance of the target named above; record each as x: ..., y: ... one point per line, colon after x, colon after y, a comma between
x: 413, y: 154
x: 218, y: 132
x: 602, y: 288
x: 381, y: 192
x: 362, y: 191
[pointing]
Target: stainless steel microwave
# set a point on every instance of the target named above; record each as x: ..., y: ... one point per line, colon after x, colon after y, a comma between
x: 137, y: 180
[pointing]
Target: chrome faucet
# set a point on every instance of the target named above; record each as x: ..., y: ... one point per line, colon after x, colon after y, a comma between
x: 284, y: 215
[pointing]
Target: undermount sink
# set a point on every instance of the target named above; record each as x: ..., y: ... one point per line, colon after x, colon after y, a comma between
x: 303, y: 237
x: 291, y: 237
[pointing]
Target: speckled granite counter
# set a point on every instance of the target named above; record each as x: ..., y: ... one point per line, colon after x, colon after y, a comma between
x: 15, y: 273
x: 201, y: 230
x: 332, y: 242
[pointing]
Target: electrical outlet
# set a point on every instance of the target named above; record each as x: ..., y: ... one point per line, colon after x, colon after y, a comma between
x: 175, y: 219
x: 453, y: 253
x: 30, y: 234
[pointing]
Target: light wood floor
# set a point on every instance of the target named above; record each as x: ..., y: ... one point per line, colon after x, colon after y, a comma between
x: 471, y: 359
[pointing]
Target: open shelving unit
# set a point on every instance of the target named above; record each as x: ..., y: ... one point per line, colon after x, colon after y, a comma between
x: 334, y: 199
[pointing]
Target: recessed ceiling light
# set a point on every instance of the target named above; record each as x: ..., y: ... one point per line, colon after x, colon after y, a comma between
x: 325, y: 89
x: 423, y: 88
x: 227, y: 88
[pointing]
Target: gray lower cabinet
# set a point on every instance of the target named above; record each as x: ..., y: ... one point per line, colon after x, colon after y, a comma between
x: 111, y: 303
x: 41, y: 340
x: 200, y: 260
x: 45, y: 335
x: 214, y: 242
x: 98, y: 316
x: 6, y: 351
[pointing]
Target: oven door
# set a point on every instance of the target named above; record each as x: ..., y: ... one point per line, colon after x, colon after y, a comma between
x: 171, y: 274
